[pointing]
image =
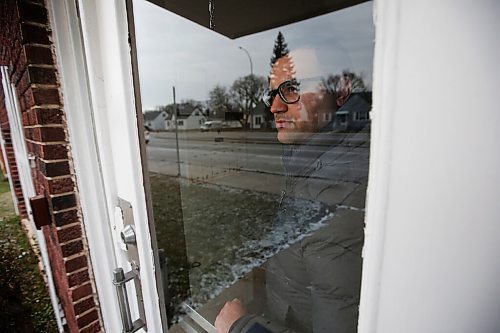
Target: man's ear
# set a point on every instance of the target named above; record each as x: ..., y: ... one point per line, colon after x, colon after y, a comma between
x: 345, y: 90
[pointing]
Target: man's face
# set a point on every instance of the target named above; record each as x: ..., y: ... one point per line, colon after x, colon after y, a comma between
x: 295, y: 122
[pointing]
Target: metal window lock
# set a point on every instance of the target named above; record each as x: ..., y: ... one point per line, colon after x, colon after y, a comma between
x: 128, y: 235
x: 119, y: 280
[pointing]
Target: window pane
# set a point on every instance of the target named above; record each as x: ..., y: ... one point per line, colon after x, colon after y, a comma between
x: 258, y: 170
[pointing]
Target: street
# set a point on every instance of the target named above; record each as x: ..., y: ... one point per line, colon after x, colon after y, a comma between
x: 211, y: 157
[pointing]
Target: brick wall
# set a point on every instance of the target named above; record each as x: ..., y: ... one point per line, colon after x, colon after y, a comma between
x: 26, y: 47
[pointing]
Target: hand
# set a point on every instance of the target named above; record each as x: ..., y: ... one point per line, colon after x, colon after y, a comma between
x: 231, y: 312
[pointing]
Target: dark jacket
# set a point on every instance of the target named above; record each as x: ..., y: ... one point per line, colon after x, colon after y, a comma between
x: 313, y: 286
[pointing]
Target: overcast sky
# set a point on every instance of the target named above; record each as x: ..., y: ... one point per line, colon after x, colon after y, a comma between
x: 174, y: 51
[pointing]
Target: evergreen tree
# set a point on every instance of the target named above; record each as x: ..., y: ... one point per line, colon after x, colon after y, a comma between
x: 280, y: 48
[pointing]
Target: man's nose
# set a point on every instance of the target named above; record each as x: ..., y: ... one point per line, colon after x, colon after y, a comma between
x: 278, y: 105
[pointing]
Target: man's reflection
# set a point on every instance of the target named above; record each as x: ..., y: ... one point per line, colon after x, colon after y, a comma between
x: 312, y: 286
x: 299, y: 111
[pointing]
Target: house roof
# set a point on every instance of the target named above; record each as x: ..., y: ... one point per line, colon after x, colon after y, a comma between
x: 235, y: 19
x: 358, y: 102
x: 187, y: 109
x: 151, y: 115
x: 184, y: 110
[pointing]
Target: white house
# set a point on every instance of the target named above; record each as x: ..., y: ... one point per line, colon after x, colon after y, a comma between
x: 155, y: 120
x: 188, y: 118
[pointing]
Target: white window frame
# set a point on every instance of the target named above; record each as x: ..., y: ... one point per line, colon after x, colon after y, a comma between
x: 94, y: 63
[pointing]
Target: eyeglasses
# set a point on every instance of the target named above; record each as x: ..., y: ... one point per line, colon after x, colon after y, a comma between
x: 289, y: 92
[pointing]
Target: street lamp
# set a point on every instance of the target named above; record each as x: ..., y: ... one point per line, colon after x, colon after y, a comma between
x: 249, y: 58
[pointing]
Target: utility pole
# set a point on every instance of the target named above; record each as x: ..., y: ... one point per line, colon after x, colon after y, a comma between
x: 176, y: 136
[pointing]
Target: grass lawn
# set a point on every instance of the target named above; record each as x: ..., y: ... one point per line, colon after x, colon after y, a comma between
x: 24, y: 298
x: 213, y: 235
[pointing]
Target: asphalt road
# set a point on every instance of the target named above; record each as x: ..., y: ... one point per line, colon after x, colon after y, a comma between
x: 208, y: 155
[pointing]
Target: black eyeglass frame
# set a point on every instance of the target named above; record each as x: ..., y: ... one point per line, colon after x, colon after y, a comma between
x: 270, y: 94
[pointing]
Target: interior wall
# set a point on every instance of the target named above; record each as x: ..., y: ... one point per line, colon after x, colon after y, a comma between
x: 433, y: 202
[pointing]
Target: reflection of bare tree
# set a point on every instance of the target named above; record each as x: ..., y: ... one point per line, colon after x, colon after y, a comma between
x: 334, y: 83
x: 169, y: 109
x: 219, y: 102
x: 246, y: 93
x: 342, y: 85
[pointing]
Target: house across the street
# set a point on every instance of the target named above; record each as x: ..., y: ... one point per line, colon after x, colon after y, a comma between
x: 188, y: 117
x: 155, y: 120
x: 354, y: 114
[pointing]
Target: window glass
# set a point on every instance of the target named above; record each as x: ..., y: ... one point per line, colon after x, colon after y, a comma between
x: 259, y: 191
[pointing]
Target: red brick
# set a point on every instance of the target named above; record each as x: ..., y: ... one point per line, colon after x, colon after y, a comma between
x: 63, y: 202
x: 33, y: 134
x: 32, y: 34
x: 17, y: 55
x: 4, y: 119
x: 63, y: 185
x: 46, y: 134
x: 32, y: 13
x: 72, y: 248
x: 38, y: 55
x: 38, y: 96
x: 84, y: 305
x: 45, y: 96
x: 94, y: 328
x: 18, y: 191
x: 30, y: 146
x: 24, y: 83
x: 40, y: 179
x: 23, y: 212
x: 81, y: 292
x: 51, y: 134
x: 25, y: 119
x: 26, y: 100
x: 70, y: 233
x: 64, y: 218
x: 78, y: 278
x: 53, y: 152
x: 45, y: 116
x: 36, y: 75
x: 39, y: 75
x: 28, y: 133
x: 87, y: 319
x: 76, y: 263
x: 18, y: 62
x: 54, y: 169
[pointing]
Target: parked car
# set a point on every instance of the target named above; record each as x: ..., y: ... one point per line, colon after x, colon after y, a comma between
x: 211, y: 125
